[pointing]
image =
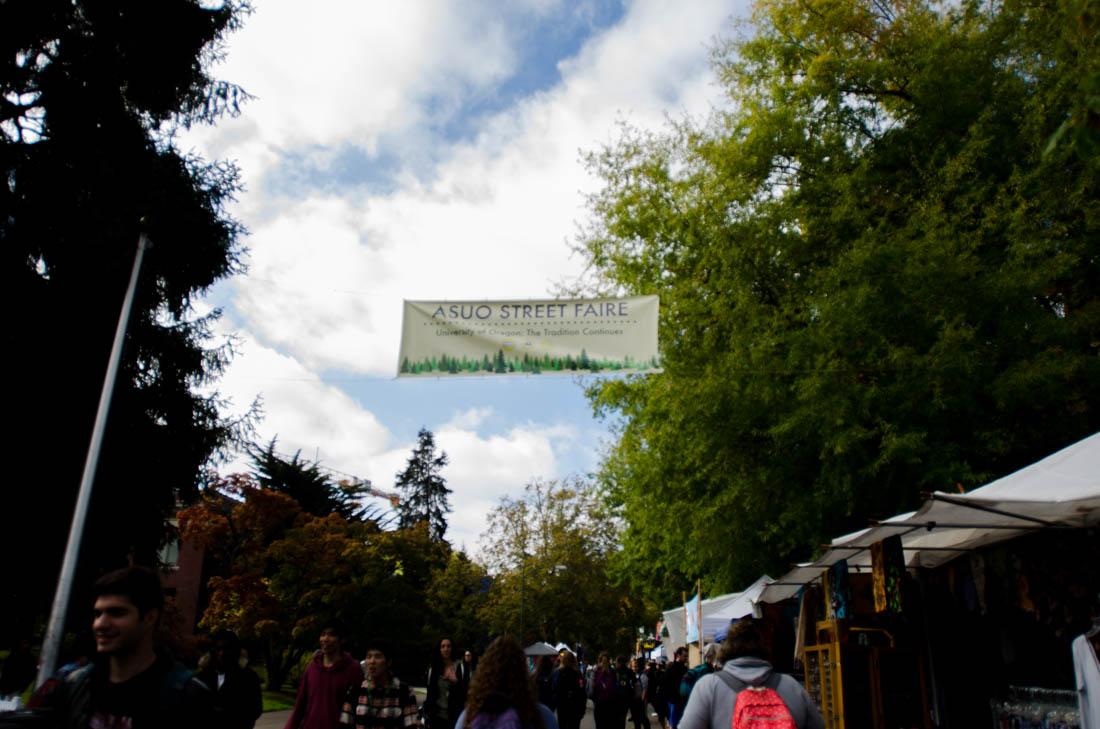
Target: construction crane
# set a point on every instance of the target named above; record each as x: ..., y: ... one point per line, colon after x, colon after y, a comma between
x: 366, y: 486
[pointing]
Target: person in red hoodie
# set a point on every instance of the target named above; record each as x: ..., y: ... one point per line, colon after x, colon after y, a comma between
x: 325, y: 685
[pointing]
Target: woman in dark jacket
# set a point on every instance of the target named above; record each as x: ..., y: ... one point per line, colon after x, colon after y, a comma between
x: 446, y: 689
x: 544, y: 682
x: 569, y: 693
x: 603, y: 690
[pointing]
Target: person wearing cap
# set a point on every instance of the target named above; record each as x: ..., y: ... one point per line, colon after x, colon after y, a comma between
x: 745, y: 666
x: 382, y: 701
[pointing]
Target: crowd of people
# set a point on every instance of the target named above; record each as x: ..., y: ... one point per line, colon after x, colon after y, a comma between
x: 132, y: 684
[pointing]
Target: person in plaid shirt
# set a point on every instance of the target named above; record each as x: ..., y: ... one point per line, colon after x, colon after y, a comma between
x: 382, y: 701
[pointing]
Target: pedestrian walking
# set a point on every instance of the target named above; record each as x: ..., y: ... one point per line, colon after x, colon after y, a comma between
x: 603, y: 690
x: 237, y: 700
x: 325, y: 684
x: 709, y: 665
x: 626, y: 684
x: 569, y: 693
x: 132, y: 682
x: 446, y: 689
x: 638, y: 702
x: 670, y: 686
x: 381, y: 701
x: 469, y: 665
x: 502, y: 695
x: 544, y: 682
x: 747, y: 693
x: 655, y: 696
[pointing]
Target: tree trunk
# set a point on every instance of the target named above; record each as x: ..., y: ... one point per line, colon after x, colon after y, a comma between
x: 279, y: 663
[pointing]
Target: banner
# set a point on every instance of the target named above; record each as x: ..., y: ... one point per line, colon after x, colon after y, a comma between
x: 691, y: 610
x: 555, y: 336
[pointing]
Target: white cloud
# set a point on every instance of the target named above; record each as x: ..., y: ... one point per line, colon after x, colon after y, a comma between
x: 303, y: 412
x: 342, y: 70
x: 489, y: 217
x: 324, y: 423
x: 329, y: 271
x: 469, y: 419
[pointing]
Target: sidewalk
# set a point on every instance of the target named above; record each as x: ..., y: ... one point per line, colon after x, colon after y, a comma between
x: 277, y: 719
x: 273, y: 720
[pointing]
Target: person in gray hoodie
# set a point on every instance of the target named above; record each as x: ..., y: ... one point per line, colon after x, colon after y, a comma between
x: 745, y: 659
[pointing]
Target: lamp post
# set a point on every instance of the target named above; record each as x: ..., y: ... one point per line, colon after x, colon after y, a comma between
x: 522, y: 593
x: 522, y: 596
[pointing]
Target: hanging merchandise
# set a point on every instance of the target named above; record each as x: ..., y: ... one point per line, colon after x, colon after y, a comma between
x: 977, y: 570
x: 839, y: 591
x: 887, y: 574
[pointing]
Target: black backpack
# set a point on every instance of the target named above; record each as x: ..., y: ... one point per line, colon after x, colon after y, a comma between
x: 626, y: 683
x: 572, y: 691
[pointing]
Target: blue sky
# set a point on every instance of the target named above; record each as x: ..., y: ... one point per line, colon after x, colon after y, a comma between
x: 430, y: 151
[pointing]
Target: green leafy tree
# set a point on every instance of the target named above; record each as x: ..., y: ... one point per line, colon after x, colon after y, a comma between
x: 549, y: 551
x: 457, y: 592
x: 423, y: 488
x: 873, y: 281
x: 91, y: 95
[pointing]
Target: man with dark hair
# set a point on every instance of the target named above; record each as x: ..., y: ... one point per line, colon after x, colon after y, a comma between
x: 747, y: 686
x: 670, y: 686
x: 237, y: 700
x: 641, y: 689
x: 130, y: 685
x: 382, y: 701
x: 325, y: 684
x: 654, y: 695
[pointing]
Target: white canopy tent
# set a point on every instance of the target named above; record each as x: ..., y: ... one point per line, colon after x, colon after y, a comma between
x: 717, y: 613
x: 1060, y: 491
x: 540, y: 648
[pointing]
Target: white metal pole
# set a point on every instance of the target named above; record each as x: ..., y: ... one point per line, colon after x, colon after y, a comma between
x: 54, y: 631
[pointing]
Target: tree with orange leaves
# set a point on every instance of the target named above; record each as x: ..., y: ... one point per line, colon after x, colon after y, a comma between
x: 281, y: 573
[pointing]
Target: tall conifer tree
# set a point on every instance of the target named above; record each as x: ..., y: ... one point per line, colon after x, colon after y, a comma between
x: 424, y: 491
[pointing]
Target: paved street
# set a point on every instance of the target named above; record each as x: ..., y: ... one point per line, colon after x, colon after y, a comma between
x: 276, y: 720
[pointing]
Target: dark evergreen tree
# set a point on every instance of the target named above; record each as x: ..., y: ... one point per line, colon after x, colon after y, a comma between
x: 90, y: 96
x: 306, y: 483
x: 423, y: 490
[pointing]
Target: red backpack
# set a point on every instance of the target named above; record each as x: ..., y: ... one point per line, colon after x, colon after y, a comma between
x: 759, y: 707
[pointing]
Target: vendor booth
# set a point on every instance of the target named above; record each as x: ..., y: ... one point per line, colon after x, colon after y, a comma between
x: 961, y: 612
x: 717, y: 612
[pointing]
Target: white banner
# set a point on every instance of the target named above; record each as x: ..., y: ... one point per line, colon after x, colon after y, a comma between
x: 555, y: 336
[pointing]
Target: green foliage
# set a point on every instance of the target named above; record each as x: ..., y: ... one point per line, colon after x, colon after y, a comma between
x: 277, y: 701
x: 457, y: 592
x: 89, y: 95
x: 531, y: 364
x: 873, y: 282
x: 423, y: 488
x: 549, y: 551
